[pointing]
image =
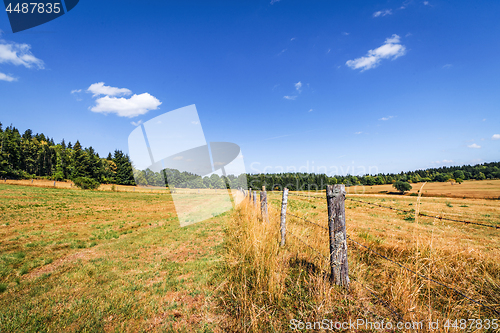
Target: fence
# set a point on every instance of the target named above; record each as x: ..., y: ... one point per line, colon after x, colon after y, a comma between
x: 339, y: 275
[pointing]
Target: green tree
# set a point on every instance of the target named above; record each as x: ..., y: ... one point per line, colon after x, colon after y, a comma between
x: 402, y: 186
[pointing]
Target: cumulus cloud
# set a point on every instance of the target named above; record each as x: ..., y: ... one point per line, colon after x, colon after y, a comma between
x: 382, y: 12
x: 290, y: 97
x: 475, y: 146
x: 391, y: 49
x: 18, y: 55
x: 100, y: 89
x: 126, y: 107
x: 8, y: 78
x: 495, y: 137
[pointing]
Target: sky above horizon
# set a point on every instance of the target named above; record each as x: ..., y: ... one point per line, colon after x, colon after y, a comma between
x: 311, y: 86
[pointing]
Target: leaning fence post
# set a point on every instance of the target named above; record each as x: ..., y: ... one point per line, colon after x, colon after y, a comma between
x: 263, y: 204
x: 284, y: 202
x: 335, y: 197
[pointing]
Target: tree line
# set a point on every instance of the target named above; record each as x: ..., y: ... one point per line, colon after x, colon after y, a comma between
x: 31, y: 155
x: 311, y: 181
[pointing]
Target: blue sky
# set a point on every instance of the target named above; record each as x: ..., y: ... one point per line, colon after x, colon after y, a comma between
x: 349, y: 86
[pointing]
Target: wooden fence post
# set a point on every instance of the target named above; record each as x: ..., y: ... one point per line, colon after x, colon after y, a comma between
x: 250, y: 194
x: 335, y: 197
x: 284, y: 202
x: 263, y: 204
x: 255, y: 198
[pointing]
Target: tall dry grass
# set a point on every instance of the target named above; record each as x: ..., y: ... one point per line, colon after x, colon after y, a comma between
x: 264, y: 286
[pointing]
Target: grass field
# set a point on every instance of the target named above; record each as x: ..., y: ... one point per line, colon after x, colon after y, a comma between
x: 74, y: 260
x: 479, y: 189
x: 269, y: 286
x: 93, y: 261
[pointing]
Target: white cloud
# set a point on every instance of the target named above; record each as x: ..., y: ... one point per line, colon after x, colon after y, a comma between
x: 126, y: 107
x: 447, y: 66
x: 495, y: 137
x: 391, y: 49
x: 136, y: 123
x: 195, y: 122
x: 358, y: 132
x: 426, y: 3
x: 100, y: 89
x: 290, y: 97
x: 18, y: 54
x: 274, y: 1
x: 345, y: 33
x: 76, y: 91
x: 447, y: 161
x: 282, y: 51
x: 298, y: 86
x: 8, y: 78
x: 474, y: 146
x: 386, y: 118
x: 310, y: 110
x: 382, y: 12
x: 292, y: 39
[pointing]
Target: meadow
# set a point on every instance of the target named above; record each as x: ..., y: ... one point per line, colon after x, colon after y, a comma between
x: 271, y: 287
x: 93, y: 261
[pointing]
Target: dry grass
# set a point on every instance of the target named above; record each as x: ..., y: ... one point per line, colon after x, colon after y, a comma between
x: 479, y: 189
x: 94, y: 261
x: 266, y: 286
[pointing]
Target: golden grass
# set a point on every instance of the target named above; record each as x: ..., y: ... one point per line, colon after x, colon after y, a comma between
x: 266, y: 286
x: 479, y: 189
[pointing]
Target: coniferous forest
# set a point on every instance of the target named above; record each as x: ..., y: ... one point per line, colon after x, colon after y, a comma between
x: 28, y: 155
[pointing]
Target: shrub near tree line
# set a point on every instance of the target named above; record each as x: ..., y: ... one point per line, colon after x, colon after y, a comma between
x: 86, y: 183
x: 402, y: 186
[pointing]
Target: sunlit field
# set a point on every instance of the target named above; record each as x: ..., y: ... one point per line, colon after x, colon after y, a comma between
x: 116, y: 259
x: 268, y: 286
x: 73, y: 260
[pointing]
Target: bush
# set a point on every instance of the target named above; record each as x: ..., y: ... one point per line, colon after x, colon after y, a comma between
x: 86, y: 183
x: 59, y: 176
x: 402, y: 186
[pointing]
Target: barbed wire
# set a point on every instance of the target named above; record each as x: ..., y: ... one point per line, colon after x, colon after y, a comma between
x: 384, y: 302
x: 388, y: 259
x: 424, y: 277
x: 426, y: 215
x: 312, y: 248
x: 306, y: 220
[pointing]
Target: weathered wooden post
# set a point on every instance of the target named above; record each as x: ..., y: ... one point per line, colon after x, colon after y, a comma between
x: 263, y: 204
x: 255, y: 198
x: 284, y: 202
x: 335, y: 198
x: 250, y: 194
